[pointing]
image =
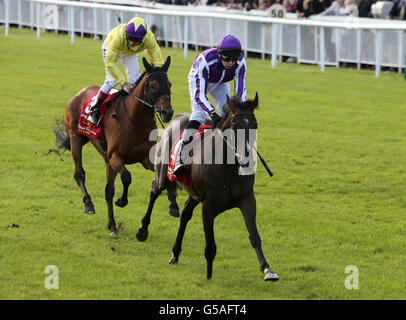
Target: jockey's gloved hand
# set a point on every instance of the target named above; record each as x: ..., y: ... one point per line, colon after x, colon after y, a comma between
x: 128, y: 87
x: 215, y: 117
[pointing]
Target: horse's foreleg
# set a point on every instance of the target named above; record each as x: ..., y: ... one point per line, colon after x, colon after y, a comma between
x: 79, y: 174
x: 109, y: 194
x: 249, y: 210
x: 187, y: 213
x: 211, y: 249
x: 142, y: 232
x: 126, y: 180
x: 173, y: 207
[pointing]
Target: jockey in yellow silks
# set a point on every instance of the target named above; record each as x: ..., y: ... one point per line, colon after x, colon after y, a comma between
x: 124, y: 42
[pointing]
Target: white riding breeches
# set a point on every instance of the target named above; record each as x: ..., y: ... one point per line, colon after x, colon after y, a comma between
x: 131, y: 66
x: 217, y: 91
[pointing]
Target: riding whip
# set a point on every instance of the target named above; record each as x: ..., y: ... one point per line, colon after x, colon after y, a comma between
x: 238, y: 156
x: 264, y: 163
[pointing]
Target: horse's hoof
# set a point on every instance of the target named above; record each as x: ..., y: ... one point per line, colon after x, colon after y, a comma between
x: 121, y: 203
x: 173, y: 260
x: 174, y: 212
x: 89, y: 209
x: 141, y: 235
x: 269, y: 275
x: 114, y: 233
x: 113, y: 230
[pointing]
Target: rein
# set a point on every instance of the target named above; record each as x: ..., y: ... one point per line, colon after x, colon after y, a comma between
x: 153, y: 107
x: 237, y: 155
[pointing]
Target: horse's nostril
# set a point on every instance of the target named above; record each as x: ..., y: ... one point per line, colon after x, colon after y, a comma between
x: 167, y: 115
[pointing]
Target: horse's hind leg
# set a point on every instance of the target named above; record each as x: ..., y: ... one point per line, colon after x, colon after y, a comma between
x: 142, y: 232
x: 79, y: 174
x: 126, y: 180
x: 187, y: 213
x: 248, y: 209
x: 173, y: 207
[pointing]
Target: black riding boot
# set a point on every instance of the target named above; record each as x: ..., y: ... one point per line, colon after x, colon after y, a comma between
x: 180, y: 166
x: 94, y: 114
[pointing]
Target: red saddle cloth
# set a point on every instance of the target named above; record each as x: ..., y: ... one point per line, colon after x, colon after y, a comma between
x: 174, y: 154
x: 85, y: 127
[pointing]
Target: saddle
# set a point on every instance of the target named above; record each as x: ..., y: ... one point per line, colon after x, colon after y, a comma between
x: 186, y: 177
x: 85, y: 127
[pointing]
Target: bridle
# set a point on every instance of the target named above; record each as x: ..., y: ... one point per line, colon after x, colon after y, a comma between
x: 163, y: 90
x: 244, y: 113
x: 237, y: 155
x: 152, y: 99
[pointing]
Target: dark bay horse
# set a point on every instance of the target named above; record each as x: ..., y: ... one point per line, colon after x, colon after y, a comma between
x: 218, y: 187
x: 127, y: 125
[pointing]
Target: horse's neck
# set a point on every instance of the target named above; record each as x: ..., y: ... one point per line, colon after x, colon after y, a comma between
x: 139, y: 112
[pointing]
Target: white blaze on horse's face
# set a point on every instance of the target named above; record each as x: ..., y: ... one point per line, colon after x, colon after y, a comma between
x: 247, y: 147
x: 245, y: 128
x: 245, y: 139
x: 246, y: 156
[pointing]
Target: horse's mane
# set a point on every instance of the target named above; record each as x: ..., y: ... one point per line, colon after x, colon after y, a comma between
x: 153, y: 69
x: 140, y: 78
x: 122, y: 93
x: 238, y: 103
x: 236, y: 100
x: 243, y: 105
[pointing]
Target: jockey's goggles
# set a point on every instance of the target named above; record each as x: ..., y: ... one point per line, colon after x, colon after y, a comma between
x: 228, y: 58
x: 136, y: 40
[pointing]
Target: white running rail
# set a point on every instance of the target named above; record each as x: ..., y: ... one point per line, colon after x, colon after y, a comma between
x: 318, y: 40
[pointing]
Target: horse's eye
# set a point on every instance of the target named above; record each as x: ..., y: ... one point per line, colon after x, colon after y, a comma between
x: 246, y: 122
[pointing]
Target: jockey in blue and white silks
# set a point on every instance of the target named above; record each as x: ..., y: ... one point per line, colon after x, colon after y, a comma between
x: 210, y: 73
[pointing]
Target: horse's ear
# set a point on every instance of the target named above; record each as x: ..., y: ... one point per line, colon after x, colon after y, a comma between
x: 254, y: 102
x: 165, y: 67
x: 146, y: 64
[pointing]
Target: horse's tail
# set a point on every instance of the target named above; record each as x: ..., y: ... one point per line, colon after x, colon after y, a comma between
x: 62, y: 137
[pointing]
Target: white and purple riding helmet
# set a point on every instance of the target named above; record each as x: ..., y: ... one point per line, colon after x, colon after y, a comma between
x: 229, y: 47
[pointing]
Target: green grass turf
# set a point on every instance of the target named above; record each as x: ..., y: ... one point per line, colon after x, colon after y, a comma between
x: 334, y: 140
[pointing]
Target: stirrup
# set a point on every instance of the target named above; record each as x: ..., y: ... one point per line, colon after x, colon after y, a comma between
x: 94, y: 117
x: 179, y: 168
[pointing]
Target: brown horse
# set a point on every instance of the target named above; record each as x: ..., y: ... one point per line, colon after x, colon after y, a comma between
x: 218, y: 187
x: 127, y: 125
